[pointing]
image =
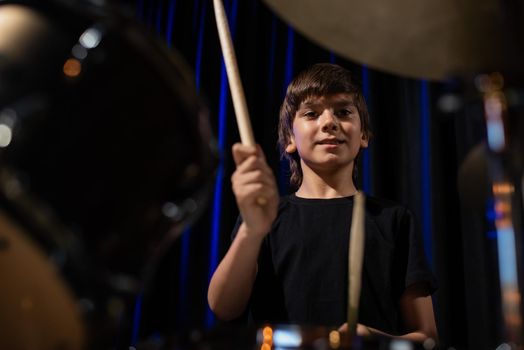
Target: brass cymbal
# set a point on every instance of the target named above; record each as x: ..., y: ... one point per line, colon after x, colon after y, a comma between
x: 422, y: 39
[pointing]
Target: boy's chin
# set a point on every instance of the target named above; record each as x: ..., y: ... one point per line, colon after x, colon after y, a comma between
x: 330, y: 162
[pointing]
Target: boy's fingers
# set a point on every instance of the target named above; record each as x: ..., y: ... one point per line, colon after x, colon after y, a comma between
x: 245, y: 184
x: 241, y: 185
x: 252, y: 163
x: 245, y: 162
x: 250, y: 192
x: 242, y: 152
x: 343, y: 328
x: 255, y: 176
x: 248, y: 165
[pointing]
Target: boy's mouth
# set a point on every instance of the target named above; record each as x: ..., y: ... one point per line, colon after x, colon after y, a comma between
x: 330, y: 141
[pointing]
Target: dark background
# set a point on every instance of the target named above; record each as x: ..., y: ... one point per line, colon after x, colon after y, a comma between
x: 413, y: 159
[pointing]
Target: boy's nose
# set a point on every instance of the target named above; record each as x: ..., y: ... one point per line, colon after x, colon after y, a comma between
x: 329, y: 121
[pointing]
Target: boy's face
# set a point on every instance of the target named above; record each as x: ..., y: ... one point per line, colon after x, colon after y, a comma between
x: 327, y: 132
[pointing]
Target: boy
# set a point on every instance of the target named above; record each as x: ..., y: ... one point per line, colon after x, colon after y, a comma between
x: 288, y: 259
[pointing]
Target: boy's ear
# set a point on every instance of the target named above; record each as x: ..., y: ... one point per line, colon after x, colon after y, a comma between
x: 364, y: 141
x: 291, y: 147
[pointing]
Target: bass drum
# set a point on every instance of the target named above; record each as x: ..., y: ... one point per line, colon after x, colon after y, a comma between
x: 105, y: 151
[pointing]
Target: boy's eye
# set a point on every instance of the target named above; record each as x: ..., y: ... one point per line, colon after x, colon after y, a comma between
x: 344, y: 112
x: 309, y: 114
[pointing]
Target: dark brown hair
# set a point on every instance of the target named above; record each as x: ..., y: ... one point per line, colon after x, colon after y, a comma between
x: 318, y: 80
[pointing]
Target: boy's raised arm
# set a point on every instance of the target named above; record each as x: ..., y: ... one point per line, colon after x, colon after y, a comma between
x: 232, y: 282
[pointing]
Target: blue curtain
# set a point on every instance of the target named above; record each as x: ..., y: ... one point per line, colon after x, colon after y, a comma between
x: 398, y: 164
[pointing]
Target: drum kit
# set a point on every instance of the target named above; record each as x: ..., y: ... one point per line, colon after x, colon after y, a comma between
x: 96, y: 120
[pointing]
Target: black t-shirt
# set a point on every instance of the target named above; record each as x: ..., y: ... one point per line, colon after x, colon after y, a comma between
x: 302, y: 267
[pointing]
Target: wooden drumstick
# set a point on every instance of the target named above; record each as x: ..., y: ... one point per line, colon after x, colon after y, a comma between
x: 355, y: 260
x: 235, y: 85
x: 237, y: 91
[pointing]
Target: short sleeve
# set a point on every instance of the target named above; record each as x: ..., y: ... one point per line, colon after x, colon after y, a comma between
x: 415, y: 263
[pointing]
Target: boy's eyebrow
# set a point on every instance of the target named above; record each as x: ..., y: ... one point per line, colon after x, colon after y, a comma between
x: 338, y: 103
x: 309, y: 104
x: 344, y: 102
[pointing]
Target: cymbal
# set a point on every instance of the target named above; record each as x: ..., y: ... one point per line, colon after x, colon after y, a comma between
x: 430, y: 39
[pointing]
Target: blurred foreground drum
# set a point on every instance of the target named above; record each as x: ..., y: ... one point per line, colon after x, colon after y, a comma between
x: 105, y: 155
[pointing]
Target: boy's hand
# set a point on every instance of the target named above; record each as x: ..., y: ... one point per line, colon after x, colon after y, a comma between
x: 362, y: 331
x: 252, y: 180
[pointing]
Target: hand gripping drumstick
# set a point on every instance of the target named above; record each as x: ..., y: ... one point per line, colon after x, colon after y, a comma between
x: 235, y: 85
x: 355, y: 260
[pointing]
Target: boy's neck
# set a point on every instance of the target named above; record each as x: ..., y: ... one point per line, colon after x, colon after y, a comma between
x: 326, y: 184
